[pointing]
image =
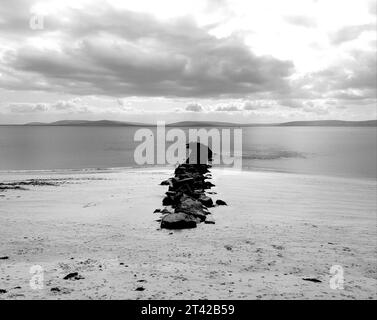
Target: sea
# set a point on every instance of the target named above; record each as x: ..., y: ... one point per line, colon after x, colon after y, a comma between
x: 331, y: 151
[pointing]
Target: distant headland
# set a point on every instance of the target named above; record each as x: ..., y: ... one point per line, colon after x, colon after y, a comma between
x: 111, y: 123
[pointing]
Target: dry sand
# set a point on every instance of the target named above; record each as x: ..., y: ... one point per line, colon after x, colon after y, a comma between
x: 278, y: 229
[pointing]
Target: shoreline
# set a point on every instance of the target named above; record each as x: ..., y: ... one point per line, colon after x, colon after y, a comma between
x: 230, y: 170
x: 277, y: 230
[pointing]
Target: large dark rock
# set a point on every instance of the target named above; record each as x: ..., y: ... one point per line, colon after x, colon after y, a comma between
x: 207, y: 201
x: 192, y: 207
x: 208, y: 185
x: 185, y: 180
x: 165, y: 182
x: 167, y: 201
x: 179, y: 170
x: 197, y: 193
x: 179, y: 220
x: 165, y: 211
x: 185, y: 188
x: 198, y: 153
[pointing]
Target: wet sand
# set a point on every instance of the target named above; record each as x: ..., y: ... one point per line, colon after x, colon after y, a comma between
x: 277, y: 229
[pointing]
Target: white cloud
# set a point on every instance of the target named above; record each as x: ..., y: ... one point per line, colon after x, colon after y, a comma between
x: 233, y: 58
x: 194, y: 107
x: 27, y: 107
x: 228, y: 108
x: 258, y: 104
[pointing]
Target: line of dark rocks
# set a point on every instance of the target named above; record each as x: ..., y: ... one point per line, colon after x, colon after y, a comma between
x: 187, y: 197
x: 20, y: 185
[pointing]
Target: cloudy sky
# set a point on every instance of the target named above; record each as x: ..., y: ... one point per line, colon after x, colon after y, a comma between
x: 224, y: 60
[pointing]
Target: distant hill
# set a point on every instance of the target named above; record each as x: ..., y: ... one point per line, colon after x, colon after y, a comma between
x: 330, y: 123
x: 318, y: 123
x: 87, y: 123
x: 110, y: 123
x: 202, y: 124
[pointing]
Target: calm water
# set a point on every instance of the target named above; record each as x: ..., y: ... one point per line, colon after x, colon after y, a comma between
x: 349, y: 152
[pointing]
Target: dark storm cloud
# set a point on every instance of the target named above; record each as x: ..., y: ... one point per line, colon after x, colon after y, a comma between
x: 122, y: 53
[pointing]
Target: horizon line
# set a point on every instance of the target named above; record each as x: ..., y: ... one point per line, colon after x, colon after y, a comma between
x: 194, y: 122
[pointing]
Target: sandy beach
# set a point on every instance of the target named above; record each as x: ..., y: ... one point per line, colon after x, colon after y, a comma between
x: 277, y: 230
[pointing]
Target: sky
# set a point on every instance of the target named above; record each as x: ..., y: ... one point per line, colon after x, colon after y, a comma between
x: 221, y: 60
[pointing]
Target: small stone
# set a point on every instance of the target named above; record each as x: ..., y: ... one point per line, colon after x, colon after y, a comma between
x: 140, y: 289
x: 157, y: 210
x: 55, y: 289
x: 221, y: 203
x: 311, y: 279
x: 3, y: 291
x: 4, y: 258
x: 73, y: 276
